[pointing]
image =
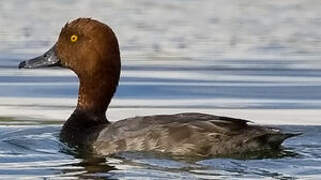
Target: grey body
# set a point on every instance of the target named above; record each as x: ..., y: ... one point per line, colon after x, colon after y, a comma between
x: 187, y: 134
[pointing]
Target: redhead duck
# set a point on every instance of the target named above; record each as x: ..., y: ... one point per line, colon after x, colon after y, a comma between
x: 90, y: 49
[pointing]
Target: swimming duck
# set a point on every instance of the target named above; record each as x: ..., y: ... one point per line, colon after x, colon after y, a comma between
x: 90, y: 49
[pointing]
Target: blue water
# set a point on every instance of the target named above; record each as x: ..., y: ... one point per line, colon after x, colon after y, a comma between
x: 255, y: 60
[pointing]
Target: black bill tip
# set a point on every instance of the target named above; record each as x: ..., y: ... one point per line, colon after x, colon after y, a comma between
x: 22, y: 65
x: 48, y: 59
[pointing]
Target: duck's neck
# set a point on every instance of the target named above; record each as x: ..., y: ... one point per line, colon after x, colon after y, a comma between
x: 95, y: 93
x: 89, y: 117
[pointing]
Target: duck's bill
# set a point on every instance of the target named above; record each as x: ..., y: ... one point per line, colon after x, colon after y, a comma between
x: 46, y: 60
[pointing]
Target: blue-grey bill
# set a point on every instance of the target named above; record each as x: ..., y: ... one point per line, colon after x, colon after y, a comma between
x: 49, y: 58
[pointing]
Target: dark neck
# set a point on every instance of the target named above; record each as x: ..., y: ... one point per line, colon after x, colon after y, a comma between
x: 82, y: 128
x: 89, y: 117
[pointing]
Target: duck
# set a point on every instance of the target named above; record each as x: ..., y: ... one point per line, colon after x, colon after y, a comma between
x: 90, y: 49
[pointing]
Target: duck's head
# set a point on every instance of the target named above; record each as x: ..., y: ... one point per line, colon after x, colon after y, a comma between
x: 84, y: 46
x: 90, y: 49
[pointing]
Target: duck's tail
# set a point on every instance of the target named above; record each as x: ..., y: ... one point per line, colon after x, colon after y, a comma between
x: 276, y: 139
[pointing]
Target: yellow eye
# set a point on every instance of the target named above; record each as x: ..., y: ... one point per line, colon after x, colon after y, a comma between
x: 73, y: 38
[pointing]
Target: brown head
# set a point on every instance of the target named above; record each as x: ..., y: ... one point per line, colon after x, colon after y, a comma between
x: 90, y: 49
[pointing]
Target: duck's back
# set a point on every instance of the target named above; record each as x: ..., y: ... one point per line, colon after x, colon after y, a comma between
x: 192, y: 134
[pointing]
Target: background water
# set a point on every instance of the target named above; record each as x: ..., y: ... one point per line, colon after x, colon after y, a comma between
x: 252, y: 59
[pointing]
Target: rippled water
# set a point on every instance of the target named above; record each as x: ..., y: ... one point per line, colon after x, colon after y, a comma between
x: 258, y: 60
